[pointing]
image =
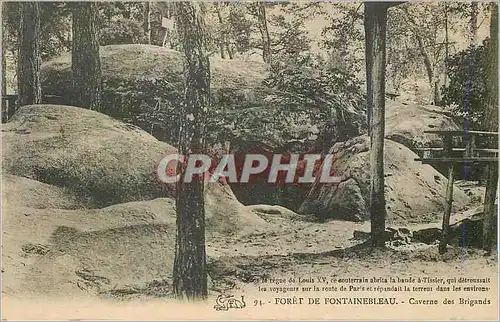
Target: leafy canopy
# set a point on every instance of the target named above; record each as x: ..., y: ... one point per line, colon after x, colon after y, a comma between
x: 466, y: 90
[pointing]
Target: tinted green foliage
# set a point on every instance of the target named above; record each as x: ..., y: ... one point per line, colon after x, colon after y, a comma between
x: 151, y: 104
x: 55, y: 27
x: 121, y: 31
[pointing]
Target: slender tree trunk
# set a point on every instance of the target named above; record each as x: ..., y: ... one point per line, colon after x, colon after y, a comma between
x: 429, y: 68
x: 427, y: 60
x: 474, y: 11
x: 85, y: 60
x: 222, y: 52
x: 446, y: 44
x: 436, y: 93
x: 165, y: 38
x: 4, y: 51
x: 229, y: 40
x: 4, y: 68
x: 264, y: 32
x: 190, y: 274
x: 369, y: 54
x: 230, y: 52
x: 222, y: 41
x: 147, y: 21
x: 425, y: 56
x: 445, y: 232
x: 492, y: 123
x: 376, y: 21
x: 28, y: 77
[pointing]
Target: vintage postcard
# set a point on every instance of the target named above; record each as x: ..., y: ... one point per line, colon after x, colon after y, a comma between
x: 226, y: 160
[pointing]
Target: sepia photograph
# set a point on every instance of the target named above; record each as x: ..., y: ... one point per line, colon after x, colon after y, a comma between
x: 249, y: 160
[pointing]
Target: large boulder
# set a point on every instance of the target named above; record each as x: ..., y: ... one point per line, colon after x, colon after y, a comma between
x: 68, y: 157
x: 405, y: 123
x: 271, y: 128
x: 49, y: 251
x: 121, y: 65
x: 144, y: 85
x: 101, y: 160
x: 413, y: 192
x: 59, y: 161
x: 19, y: 191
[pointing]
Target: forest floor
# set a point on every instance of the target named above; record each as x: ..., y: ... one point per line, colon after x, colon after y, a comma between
x: 238, y: 266
x: 287, y: 246
x: 91, y: 269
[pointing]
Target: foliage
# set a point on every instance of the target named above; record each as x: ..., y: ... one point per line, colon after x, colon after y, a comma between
x: 287, y: 28
x: 58, y: 39
x: 403, y: 56
x: 413, y: 32
x: 238, y: 25
x: 132, y: 15
x: 420, y: 36
x: 343, y: 38
x: 121, y: 31
x: 240, y: 28
x: 55, y: 26
x: 291, y: 38
x: 151, y: 104
x: 466, y: 90
x: 305, y: 84
x: 120, y: 9
x: 120, y: 24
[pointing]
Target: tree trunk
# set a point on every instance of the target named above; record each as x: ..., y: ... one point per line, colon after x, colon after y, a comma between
x: 427, y: 61
x: 425, y: 57
x: 4, y: 51
x: 375, y: 23
x: 436, y: 93
x: 4, y: 68
x: 222, y: 52
x: 490, y: 209
x: 369, y: 54
x: 230, y: 52
x: 429, y: 69
x: 492, y: 123
x: 190, y: 274
x: 28, y: 77
x: 85, y: 60
x: 264, y: 32
x: 147, y: 21
x: 445, y: 232
x: 222, y: 41
x: 474, y: 11
x: 446, y: 45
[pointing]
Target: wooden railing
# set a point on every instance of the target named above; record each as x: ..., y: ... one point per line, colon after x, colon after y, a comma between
x: 473, y: 147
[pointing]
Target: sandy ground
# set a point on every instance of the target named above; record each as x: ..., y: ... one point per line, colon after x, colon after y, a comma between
x: 124, y: 272
x: 247, y: 272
